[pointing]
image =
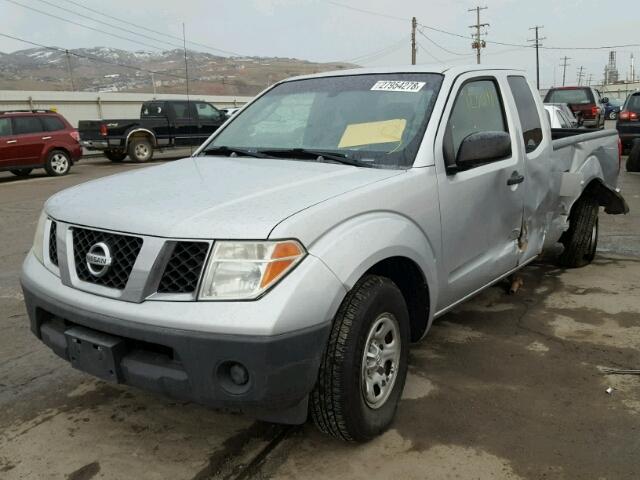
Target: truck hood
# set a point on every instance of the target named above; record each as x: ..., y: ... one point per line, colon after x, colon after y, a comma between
x: 208, y: 197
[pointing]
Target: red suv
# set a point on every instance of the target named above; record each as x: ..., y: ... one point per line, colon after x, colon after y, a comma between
x: 583, y: 101
x: 37, y: 139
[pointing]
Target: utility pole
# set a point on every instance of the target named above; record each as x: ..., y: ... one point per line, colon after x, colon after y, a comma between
x: 73, y: 88
x: 153, y: 81
x: 537, y: 41
x: 564, y: 66
x: 580, y: 75
x: 478, y: 44
x: 414, y: 24
x: 590, y: 79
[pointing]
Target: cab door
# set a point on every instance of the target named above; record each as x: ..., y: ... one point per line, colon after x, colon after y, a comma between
x: 481, y: 207
x: 185, y: 124
x: 209, y: 120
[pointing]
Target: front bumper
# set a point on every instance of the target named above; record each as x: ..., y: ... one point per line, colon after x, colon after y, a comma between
x: 187, y: 362
x: 190, y: 365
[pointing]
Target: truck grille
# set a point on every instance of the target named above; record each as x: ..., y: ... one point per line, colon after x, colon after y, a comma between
x: 124, y: 252
x: 182, y: 273
x: 53, y: 243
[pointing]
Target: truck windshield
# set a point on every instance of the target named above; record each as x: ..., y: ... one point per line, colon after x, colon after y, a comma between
x: 368, y: 120
x: 572, y: 96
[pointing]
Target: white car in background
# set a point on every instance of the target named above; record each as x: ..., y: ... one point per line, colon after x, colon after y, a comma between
x: 557, y: 117
x: 230, y: 112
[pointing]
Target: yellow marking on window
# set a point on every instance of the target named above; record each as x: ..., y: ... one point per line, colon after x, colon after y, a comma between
x: 370, y: 133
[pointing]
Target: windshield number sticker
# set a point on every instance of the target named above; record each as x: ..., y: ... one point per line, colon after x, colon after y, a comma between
x: 398, y: 86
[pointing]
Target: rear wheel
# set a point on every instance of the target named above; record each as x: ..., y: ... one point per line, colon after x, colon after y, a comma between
x: 22, y: 172
x: 58, y: 163
x: 613, y: 115
x: 581, y: 239
x: 115, y: 155
x: 364, y: 367
x: 140, y: 149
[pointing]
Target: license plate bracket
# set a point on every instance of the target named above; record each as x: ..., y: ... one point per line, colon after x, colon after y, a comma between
x: 96, y: 353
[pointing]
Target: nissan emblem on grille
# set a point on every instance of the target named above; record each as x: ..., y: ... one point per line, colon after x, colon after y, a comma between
x: 99, y: 259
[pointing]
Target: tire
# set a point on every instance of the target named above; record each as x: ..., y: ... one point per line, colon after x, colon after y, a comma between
x: 581, y: 240
x: 140, y: 149
x: 22, y: 172
x: 58, y: 163
x: 633, y: 160
x: 115, y: 155
x: 339, y: 405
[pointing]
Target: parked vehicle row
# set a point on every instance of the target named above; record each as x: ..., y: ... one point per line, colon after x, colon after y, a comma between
x: 163, y: 124
x: 31, y: 139
x: 287, y: 265
x: 585, y: 102
x: 628, y: 126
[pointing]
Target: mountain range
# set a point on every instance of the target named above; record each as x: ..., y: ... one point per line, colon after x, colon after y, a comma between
x: 101, y: 69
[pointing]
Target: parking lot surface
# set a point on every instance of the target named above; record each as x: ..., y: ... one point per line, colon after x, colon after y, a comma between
x: 504, y: 387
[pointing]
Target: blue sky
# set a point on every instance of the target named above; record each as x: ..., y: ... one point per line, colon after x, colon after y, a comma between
x: 320, y: 30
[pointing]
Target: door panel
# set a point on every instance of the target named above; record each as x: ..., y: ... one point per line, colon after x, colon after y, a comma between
x: 28, y: 142
x: 481, y: 214
x: 186, y: 124
x: 209, y: 120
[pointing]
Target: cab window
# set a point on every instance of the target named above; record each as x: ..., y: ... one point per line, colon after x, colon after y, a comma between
x: 207, y: 111
x: 477, y: 108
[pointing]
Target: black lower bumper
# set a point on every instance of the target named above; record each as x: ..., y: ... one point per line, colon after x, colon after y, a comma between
x: 193, y: 365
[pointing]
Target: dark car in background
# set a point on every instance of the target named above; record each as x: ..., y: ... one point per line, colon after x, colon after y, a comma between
x: 585, y: 102
x: 628, y: 126
x: 612, y: 108
x: 37, y: 139
x: 162, y: 124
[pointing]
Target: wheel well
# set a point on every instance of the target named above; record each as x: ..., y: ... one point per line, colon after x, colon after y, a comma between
x: 612, y: 201
x: 59, y: 149
x: 135, y: 135
x: 408, y: 277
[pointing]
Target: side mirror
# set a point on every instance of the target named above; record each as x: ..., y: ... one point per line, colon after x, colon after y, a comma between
x: 483, y: 147
x: 605, y: 99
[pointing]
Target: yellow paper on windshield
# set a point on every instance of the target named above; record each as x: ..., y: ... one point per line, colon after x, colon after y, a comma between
x: 369, y: 133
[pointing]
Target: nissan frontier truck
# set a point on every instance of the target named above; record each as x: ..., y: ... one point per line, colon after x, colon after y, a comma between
x: 285, y: 268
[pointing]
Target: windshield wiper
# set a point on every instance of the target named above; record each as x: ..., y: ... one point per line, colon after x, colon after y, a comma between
x: 316, y: 154
x: 225, y: 150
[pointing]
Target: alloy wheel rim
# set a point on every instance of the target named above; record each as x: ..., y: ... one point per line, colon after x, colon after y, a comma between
x: 142, y: 151
x: 59, y: 163
x: 380, y: 360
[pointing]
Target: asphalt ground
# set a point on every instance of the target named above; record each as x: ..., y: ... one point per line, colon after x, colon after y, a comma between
x: 504, y: 387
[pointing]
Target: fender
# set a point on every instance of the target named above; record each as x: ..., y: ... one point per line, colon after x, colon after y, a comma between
x: 357, y: 244
x: 589, y: 178
x: 138, y: 130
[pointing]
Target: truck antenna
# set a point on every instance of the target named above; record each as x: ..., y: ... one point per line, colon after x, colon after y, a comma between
x: 186, y: 72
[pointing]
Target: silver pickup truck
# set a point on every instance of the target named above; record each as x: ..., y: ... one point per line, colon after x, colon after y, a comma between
x: 287, y: 265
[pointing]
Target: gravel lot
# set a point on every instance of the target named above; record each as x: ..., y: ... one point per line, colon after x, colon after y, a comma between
x: 505, y: 386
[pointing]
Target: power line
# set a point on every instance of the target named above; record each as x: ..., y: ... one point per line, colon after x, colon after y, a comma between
x: 430, y: 54
x: 441, y: 47
x: 377, y: 53
x: 164, y: 34
x: 83, y: 25
x: 101, y: 22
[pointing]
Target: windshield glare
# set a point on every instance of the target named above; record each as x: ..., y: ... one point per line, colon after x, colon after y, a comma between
x: 378, y: 119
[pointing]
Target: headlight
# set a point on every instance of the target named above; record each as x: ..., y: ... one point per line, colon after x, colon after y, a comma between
x: 244, y: 270
x: 38, y: 240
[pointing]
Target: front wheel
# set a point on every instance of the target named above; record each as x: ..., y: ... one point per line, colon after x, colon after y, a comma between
x: 364, y: 367
x: 58, y: 163
x: 581, y: 239
x: 140, y: 150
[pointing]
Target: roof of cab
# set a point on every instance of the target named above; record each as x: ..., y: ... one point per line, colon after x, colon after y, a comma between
x: 441, y: 69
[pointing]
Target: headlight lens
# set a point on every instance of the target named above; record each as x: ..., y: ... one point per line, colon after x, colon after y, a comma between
x: 244, y: 270
x: 38, y: 239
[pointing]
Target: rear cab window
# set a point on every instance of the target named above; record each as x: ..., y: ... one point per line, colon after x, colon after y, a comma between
x: 572, y: 96
x: 527, y: 112
x: 153, y: 110
x: 25, y: 125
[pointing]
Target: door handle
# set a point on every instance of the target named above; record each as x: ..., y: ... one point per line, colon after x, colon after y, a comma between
x: 515, y: 178
x: 46, y: 138
x: 12, y: 141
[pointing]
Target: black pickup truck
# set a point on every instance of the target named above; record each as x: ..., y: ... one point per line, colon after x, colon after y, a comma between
x: 162, y: 124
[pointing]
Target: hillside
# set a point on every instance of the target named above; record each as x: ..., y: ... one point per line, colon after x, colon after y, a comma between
x: 110, y: 69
